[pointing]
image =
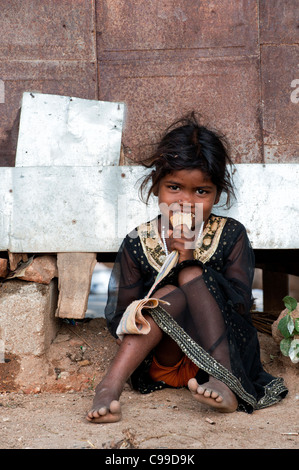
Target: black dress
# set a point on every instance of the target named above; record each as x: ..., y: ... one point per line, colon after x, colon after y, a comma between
x: 208, y: 317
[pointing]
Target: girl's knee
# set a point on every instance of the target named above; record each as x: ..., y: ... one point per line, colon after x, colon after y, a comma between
x: 164, y: 291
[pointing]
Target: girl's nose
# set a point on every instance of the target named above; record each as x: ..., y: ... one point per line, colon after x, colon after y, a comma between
x: 186, y: 198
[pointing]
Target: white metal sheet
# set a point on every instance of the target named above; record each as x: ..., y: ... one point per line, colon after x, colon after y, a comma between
x: 56, y: 209
x: 63, y: 209
x: 267, y: 203
x: 6, y: 206
x: 68, y: 131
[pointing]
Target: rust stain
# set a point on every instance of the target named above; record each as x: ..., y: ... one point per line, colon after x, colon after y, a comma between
x: 230, y: 61
x: 279, y: 70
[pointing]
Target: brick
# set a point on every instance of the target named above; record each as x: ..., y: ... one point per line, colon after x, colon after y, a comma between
x: 41, y: 269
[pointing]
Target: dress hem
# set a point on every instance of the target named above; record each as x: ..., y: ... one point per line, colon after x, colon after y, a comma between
x: 274, y: 391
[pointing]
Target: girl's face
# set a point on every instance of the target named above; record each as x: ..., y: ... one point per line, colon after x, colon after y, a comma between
x: 183, y: 190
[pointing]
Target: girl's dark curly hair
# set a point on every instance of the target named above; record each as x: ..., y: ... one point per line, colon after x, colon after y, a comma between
x: 187, y: 144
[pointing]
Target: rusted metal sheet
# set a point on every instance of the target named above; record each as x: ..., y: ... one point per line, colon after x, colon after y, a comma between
x: 280, y: 94
x: 223, y: 90
x: 279, y: 21
x: 167, y: 58
x: 136, y: 30
x: 70, y: 78
x: 43, y: 30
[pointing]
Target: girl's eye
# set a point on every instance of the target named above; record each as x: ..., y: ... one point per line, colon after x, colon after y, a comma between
x: 173, y: 187
x: 201, y: 191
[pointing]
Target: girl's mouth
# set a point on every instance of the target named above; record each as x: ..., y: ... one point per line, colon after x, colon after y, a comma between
x: 182, y: 218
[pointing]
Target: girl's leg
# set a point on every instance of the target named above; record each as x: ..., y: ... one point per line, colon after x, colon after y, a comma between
x: 211, y: 335
x: 132, y: 351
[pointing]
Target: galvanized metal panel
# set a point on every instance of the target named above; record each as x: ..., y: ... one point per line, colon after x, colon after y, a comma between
x: 64, y: 209
x: 60, y: 130
x: 6, y: 206
x: 267, y: 204
x: 84, y: 209
x: 280, y: 93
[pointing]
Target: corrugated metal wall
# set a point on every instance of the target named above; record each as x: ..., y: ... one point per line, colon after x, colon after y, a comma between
x: 236, y: 62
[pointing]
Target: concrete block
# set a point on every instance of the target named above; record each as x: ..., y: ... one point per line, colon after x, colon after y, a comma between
x: 27, y: 317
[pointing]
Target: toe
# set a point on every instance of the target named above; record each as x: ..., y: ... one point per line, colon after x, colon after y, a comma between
x: 219, y: 399
x: 192, y: 385
x: 101, y: 412
x: 115, y: 407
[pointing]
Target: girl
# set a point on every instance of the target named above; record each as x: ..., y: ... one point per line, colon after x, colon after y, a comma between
x: 202, y: 337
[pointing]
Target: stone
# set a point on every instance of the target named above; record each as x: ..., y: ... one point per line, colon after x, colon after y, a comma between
x: 41, y: 269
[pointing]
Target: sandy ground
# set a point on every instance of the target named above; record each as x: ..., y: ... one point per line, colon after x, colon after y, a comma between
x: 51, y: 413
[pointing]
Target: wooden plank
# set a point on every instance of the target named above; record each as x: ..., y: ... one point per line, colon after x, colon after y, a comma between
x: 74, y: 278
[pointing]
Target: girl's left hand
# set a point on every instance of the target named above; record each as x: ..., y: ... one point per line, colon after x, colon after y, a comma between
x: 180, y: 239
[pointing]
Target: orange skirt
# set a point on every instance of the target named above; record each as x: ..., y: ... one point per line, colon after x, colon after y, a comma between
x: 175, y: 376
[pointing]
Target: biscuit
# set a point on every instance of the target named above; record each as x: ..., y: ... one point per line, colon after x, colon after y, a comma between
x: 181, y: 218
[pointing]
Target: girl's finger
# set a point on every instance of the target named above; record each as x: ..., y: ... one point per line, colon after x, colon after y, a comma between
x: 182, y: 231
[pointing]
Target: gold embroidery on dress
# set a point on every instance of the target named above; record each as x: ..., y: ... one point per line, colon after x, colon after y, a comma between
x: 154, y: 249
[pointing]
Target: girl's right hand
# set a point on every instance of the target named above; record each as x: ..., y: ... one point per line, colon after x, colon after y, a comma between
x: 180, y: 239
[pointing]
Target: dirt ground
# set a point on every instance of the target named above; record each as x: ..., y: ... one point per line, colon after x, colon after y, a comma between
x: 50, y: 414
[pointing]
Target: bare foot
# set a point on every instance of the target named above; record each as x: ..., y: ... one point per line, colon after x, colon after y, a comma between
x: 105, y: 407
x: 214, y: 394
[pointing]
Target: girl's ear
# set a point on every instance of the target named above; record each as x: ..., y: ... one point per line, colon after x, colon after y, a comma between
x: 217, y: 197
x: 155, y: 184
x: 155, y: 189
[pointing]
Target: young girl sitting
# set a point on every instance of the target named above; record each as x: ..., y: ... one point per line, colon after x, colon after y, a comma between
x: 202, y: 335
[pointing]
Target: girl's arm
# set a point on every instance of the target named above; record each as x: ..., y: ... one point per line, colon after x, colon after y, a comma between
x: 238, y: 274
x: 232, y: 281
x: 126, y: 284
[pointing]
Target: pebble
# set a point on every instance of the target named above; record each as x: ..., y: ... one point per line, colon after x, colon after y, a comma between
x: 210, y: 421
x: 85, y: 362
